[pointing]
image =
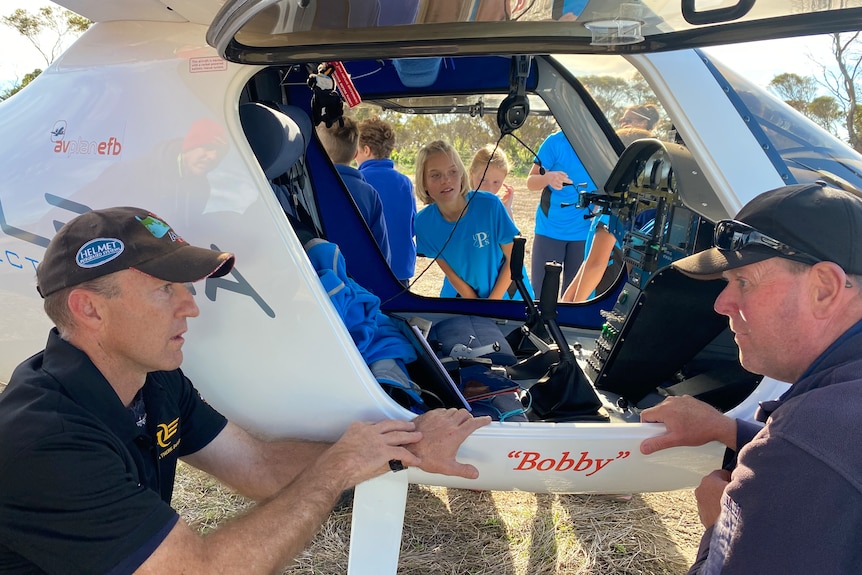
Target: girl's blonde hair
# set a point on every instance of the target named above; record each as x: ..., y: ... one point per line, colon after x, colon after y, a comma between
x: 437, y: 147
x: 485, y: 158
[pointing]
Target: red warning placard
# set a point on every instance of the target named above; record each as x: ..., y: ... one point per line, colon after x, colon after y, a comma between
x: 345, y: 84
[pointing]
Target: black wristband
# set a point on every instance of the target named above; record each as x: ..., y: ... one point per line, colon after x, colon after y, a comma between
x: 396, y: 465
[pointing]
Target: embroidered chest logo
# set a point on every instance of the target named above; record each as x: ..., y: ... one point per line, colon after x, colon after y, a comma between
x: 480, y: 239
x: 166, y: 436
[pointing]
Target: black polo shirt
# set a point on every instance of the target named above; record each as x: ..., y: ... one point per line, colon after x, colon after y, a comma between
x: 83, y: 489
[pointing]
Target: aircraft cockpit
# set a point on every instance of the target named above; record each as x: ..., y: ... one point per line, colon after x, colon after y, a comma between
x: 656, y: 190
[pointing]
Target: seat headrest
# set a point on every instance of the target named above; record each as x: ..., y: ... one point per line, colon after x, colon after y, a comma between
x: 302, y: 119
x: 275, y: 139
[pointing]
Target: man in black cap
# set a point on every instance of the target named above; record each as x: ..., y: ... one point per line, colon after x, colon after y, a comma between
x: 92, y: 427
x: 792, y: 503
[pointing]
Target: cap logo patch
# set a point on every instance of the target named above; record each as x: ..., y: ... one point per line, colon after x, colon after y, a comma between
x: 156, y: 227
x: 98, y: 252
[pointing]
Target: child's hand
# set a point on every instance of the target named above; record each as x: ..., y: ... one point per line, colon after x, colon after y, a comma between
x: 506, y: 195
x: 556, y: 180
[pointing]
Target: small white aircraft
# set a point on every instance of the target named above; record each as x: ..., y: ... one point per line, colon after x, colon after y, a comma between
x: 200, y: 110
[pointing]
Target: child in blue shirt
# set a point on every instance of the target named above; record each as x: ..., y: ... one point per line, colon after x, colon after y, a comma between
x: 469, y: 233
x: 488, y: 172
x: 376, y: 143
x: 606, y: 233
x: 561, y: 226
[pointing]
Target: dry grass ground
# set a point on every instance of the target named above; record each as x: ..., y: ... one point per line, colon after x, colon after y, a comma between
x: 454, y: 531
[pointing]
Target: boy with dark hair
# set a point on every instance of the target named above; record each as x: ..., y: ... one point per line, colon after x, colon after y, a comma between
x: 341, y: 142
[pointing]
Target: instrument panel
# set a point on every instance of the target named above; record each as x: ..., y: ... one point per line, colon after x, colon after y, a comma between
x: 647, y: 192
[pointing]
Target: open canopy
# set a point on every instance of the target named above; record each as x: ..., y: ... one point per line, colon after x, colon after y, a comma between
x: 271, y: 31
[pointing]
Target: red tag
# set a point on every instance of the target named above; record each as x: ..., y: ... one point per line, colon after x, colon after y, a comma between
x: 345, y: 84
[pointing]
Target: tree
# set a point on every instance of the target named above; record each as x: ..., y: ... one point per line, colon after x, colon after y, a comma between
x: 842, y: 85
x: 839, y: 79
x: 794, y: 89
x: 18, y: 86
x: 614, y: 94
x: 857, y: 118
x: 611, y: 93
x: 58, y: 23
x: 825, y: 111
x: 800, y: 92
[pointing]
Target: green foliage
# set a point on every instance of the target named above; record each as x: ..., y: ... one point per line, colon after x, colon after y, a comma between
x: 839, y: 79
x: 800, y: 93
x: 794, y: 89
x: 54, y: 22
x: 468, y: 133
x: 825, y: 111
x: 614, y: 94
x: 857, y: 119
x: 18, y: 86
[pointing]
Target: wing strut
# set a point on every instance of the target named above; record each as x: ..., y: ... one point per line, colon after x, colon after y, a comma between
x: 378, y: 518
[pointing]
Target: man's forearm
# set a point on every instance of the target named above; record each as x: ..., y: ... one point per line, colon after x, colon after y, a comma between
x: 261, y: 541
x: 254, y: 467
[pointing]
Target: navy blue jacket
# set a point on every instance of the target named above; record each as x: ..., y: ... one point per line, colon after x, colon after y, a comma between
x: 368, y: 201
x: 794, y: 503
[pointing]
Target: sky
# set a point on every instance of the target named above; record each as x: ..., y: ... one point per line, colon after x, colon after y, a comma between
x: 758, y: 61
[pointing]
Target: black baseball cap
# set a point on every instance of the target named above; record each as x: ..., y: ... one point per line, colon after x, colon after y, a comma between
x: 802, y: 222
x: 102, y: 242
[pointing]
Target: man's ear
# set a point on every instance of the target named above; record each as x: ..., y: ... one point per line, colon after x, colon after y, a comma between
x: 827, y: 285
x: 84, y: 306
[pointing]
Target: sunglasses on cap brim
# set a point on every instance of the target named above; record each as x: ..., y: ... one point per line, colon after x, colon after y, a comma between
x: 733, y: 235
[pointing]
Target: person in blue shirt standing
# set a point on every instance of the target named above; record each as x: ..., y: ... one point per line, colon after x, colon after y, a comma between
x: 470, y: 234
x: 376, y: 143
x: 601, y: 266
x: 341, y: 142
x: 561, y: 227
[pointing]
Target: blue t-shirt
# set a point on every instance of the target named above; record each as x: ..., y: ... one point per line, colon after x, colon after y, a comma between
x: 474, y: 251
x: 368, y: 201
x: 611, y: 223
x: 563, y: 222
x: 399, y: 207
